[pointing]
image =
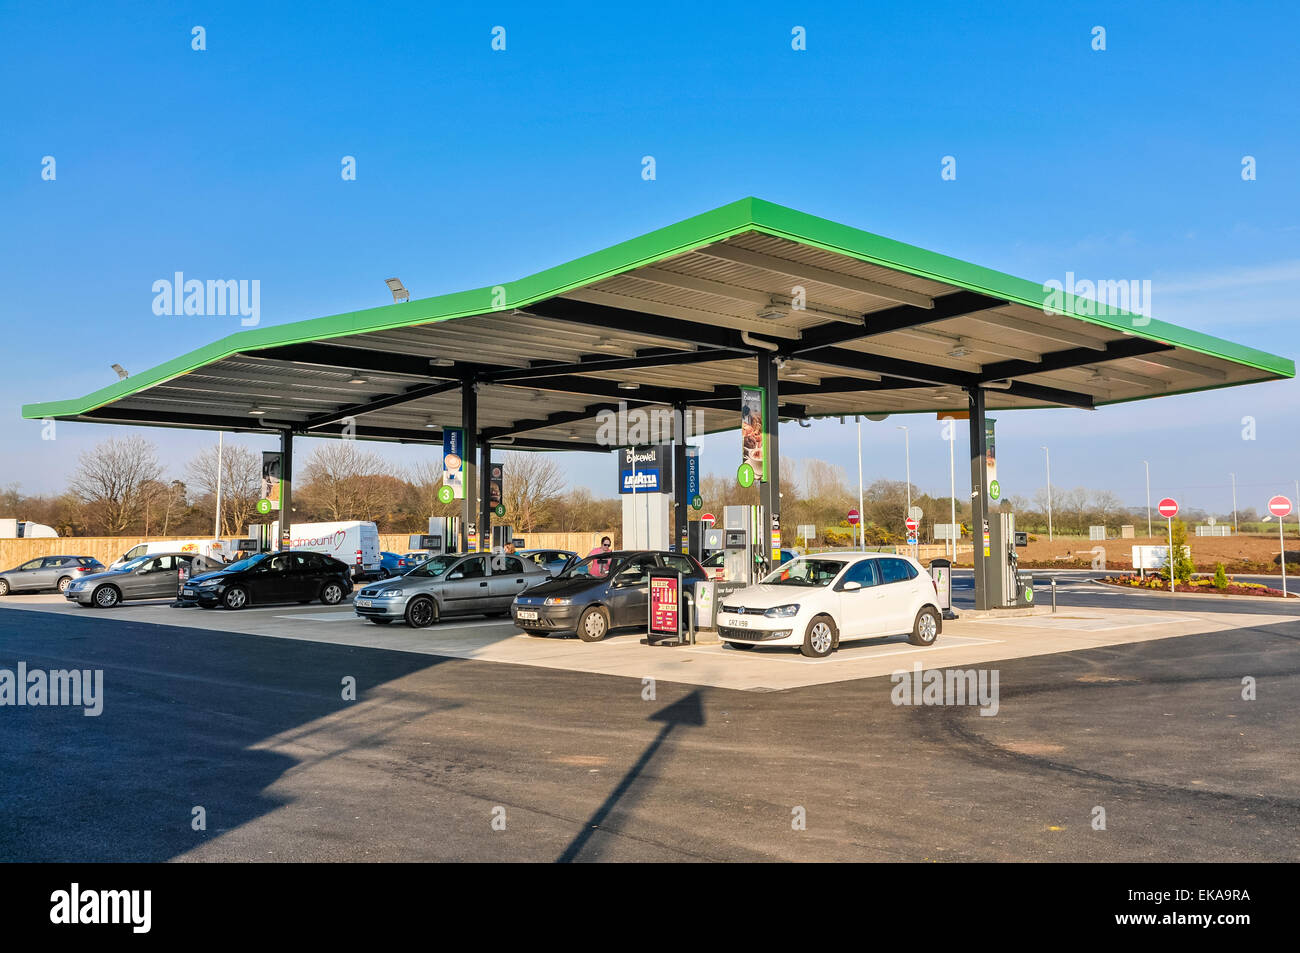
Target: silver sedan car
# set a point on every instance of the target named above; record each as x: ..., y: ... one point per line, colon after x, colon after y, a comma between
x: 145, y: 577
x: 450, y: 584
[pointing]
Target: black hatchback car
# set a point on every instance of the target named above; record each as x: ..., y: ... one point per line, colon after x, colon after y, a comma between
x: 272, y: 577
x: 598, y: 594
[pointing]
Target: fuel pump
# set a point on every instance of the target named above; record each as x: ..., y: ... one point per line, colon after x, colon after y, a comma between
x: 1006, y: 587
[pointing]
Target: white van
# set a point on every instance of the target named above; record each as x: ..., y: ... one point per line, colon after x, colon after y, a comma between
x: 212, y: 548
x: 355, y: 542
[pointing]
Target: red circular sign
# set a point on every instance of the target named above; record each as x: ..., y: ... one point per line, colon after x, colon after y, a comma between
x: 911, y: 525
x: 1168, y: 507
x: 708, y: 518
x: 853, y: 517
x: 1279, y: 506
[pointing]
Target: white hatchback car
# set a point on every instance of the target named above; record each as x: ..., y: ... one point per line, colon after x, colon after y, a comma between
x: 817, y: 602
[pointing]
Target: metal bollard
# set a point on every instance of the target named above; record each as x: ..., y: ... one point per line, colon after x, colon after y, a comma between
x: 1053, y: 593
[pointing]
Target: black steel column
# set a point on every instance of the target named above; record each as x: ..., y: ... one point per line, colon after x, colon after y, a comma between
x: 679, y: 477
x: 485, y: 497
x: 770, y: 491
x: 286, y: 488
x: 469, y: 421
x: 979, y: 495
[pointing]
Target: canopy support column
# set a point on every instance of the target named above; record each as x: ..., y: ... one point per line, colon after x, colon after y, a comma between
x: 485, y: 497
x: 680, y: 502
x: 286, y: 488
x: 468, y: 421
x: 979, y: 495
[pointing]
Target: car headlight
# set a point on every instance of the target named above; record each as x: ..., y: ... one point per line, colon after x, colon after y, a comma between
x: 208, y: 583
x: 782, y: 612
x: 391, y: 593
x: 557, y: 601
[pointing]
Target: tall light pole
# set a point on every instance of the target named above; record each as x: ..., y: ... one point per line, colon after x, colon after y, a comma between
x: 216, y: 525
x: 1148, y: 466
x: 1297, y: 511
x: 1049, y: 492
x: 862, y: 523
x: 907, y: 457
x: 952, y: 488
x: 1234, y: 503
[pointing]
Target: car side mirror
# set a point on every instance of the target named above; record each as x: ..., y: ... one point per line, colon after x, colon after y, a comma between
x: 851, y: 587
x: 457, y: 575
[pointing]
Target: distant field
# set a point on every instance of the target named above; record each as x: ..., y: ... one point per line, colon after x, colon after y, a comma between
x: 1252, y: 550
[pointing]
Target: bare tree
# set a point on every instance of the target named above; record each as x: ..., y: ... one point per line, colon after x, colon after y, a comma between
x: 532, y: 485
x: 110, y: 482
x: 341, y: 482
x: 241, y: 474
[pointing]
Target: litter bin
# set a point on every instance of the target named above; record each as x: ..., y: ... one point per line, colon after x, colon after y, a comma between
x: 941, y: 573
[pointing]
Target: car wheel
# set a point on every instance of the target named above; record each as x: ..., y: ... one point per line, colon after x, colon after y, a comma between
x: 4, y: 587
x: 105, y: 597
x: 819, y: 641
x: 381, y: 621
x: 594, y: 624
x: 925, y: 630
x: 331, y: 594
x: 64, y: 583
x: 421, y: 612
x: 743, y: 646
x: 236, y: 597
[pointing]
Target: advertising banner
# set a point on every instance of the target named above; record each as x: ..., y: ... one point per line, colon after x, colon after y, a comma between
x: 496, y: 483
x: 645, y: 469
x: 991, y: 461
x: 753, y: 442
x: 453, y: 461
x: 271, y: 464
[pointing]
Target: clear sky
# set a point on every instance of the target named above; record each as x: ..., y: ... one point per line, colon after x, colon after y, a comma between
x: 475, y: 166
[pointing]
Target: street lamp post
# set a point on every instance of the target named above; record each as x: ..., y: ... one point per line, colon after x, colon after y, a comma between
x: 221, y: 446
x: 1048, y: 454
x: 862, y: 523
x: 952, y: 488
x: 907, y: 457
x: 1148, y: 466
x: 1234, y: 503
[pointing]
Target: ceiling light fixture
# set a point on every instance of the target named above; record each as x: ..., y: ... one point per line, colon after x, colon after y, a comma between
x: 356, y: 378
x: 441, y: 362
x: 628, y: 385
x: 257, y: 411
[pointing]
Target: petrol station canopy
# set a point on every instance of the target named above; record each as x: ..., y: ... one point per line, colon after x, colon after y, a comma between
x: 859, y: 324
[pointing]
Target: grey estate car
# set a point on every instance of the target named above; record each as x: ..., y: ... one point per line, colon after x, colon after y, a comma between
x: 145, y: 577
x: 47, y: 572
x: 450, y: 584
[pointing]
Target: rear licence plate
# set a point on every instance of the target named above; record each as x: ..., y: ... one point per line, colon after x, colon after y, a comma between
x: 363, y: 603
x: 528, y: 614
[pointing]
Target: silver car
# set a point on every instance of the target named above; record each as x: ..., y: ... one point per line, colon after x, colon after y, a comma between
x: 145, y: 577
x: 48, y: 572
x: 450, y: 584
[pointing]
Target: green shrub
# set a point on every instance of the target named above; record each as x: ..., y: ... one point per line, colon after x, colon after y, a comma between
x: 1220, y: 577
x: 1182, y: 562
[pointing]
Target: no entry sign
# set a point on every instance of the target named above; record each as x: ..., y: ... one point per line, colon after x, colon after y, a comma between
x: 1168, y: 507
x: 854, y: 516
x: 1279, y: 506
x: 708, y: 518
x: 911, y: 525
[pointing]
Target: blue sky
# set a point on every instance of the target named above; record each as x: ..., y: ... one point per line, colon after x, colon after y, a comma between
x: 476, y: 166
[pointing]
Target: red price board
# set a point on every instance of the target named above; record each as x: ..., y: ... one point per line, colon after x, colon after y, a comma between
x: 665, y: 605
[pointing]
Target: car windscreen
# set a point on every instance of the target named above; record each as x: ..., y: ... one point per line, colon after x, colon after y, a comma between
x: 593, y: 567
x: 248, y: 563
x: 434, y: 566
x: 135, y: 563
x: 805, y: 572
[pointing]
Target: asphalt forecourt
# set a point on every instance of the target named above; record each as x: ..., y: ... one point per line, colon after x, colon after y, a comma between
x: 434, y: 758
x: 965, y: 641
